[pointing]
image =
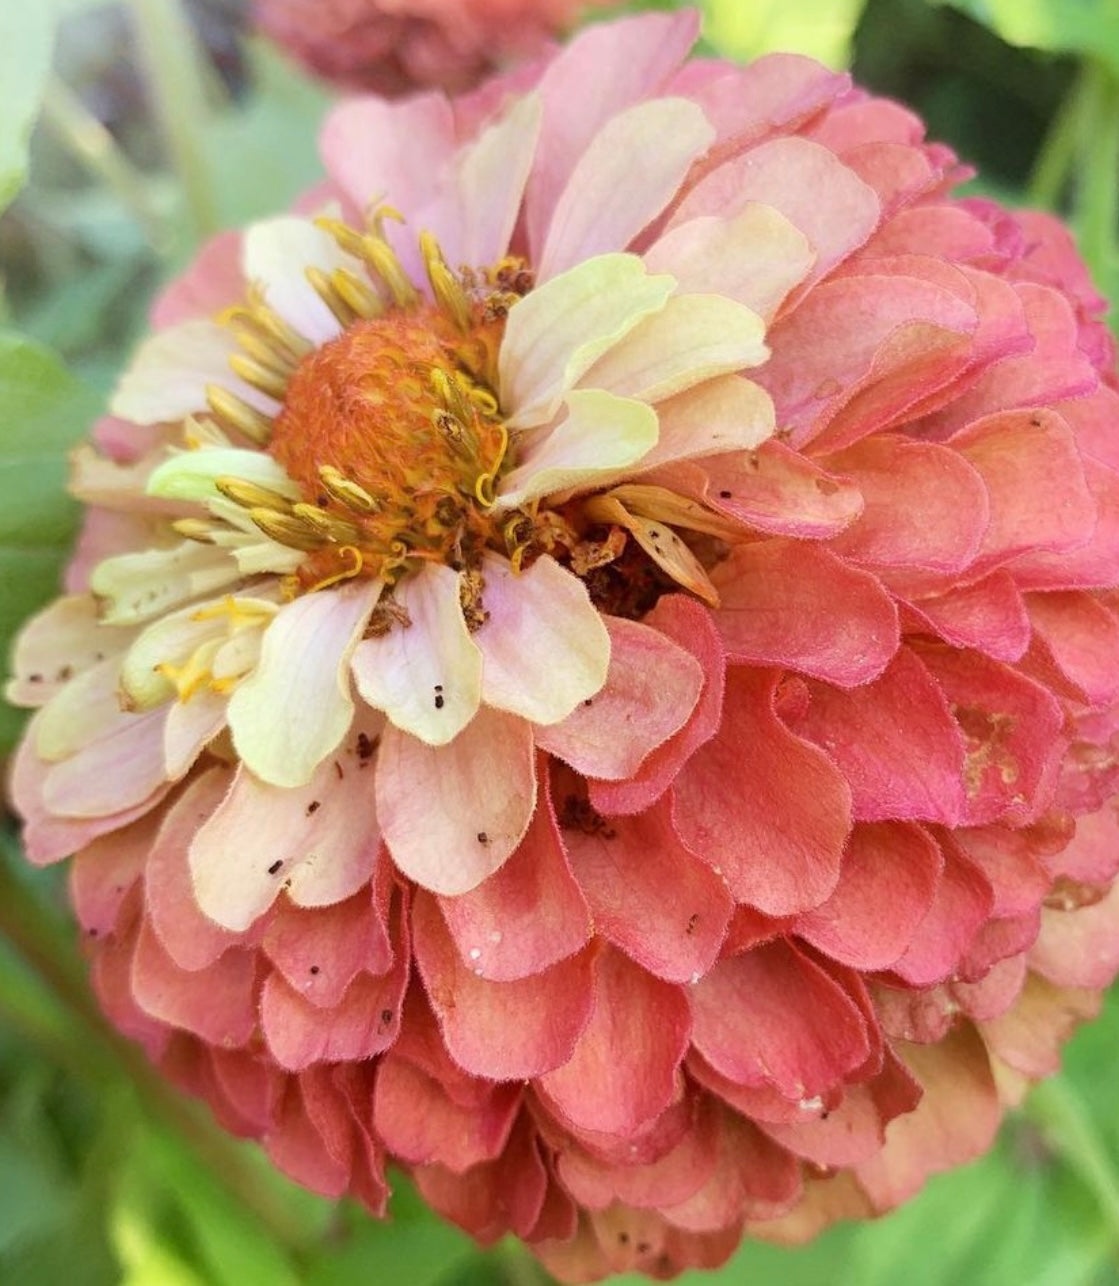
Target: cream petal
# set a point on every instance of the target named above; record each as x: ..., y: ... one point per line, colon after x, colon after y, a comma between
x: 61, y: 641
x: 190, y: 726
x: 629, y: 172
x: 275, y: 256
x: 599, y: 435
x: 756, y: 257
x: 427, y: 676
x: 556, y: 333
x: 86, y: 708
x: 544, y: 645
x: 692, y: 339
x: 139, y: 587
x: 319, y: 841
x: 295, y: 707
x: 170, y: 640
x: 453, y: 814
x: 167, y: 377
x: 725, y: 414
x: 190, y: 475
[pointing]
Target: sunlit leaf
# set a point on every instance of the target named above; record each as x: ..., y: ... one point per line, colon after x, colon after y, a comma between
x: 1060, y: 26
x: 26, y: 42
x: 819, y: 28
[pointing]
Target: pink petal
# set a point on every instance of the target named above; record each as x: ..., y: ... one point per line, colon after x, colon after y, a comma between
x: 681, y: 619
x: 212, y: 282
x: 728, y: 413
x: 625, y: 62
x: 895, y: 741
x: 105, y: 870
x: 626, y: 870
x: 624, y: 1070
x: 501, y: 1030
x: 771, y: 1016
x: 188, y: 937
x: 454, y: 814
x: 651, y: 688
x: 755, y: 790
x: 627, y: 174
x: 544, y: 612
x: 1091, y: 565
x: 777, y: 607
x: 320, y: 840
x: 789, y: 174
x: 297, y: 1147
x: 112, y: 774
x: 1079, y: 948
x: 216, y: 1003
x: 529, y: 914
x: 887, y: 864
x: 491, y: 176
x: 1029, y: 1036
x: 63, y: 640
x: 924, y: 505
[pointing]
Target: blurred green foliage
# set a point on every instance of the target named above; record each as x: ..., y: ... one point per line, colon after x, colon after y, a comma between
x: 105, y: 1176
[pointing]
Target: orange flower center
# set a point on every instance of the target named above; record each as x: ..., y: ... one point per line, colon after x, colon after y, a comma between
x: 393, y: 434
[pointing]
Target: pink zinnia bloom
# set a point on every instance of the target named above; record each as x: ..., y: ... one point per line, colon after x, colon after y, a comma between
x: 396, y: 46
x: 602, y: 689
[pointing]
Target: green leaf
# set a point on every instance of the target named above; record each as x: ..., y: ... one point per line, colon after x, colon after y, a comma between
x: 1059, y: 26
x: 43, y: 412
x: 819, y: 28
x: 26, y: 44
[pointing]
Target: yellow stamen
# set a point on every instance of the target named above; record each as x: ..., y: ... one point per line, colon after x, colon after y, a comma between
x: 260, y: 377
x: 249, y: 495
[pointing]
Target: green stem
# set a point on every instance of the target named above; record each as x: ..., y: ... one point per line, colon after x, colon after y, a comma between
x: 76, y: 127
x: 46, y: 947
x: 1060, y: 152
x: 177, y: 82
x: 1064, y: 1122
x: 1097, y: 196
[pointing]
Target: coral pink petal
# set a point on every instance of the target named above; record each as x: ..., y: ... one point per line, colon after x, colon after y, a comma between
x: 105, y: 870
x: 529, y: 914
x: 651, y: 689
x: 895, y: 741
x: 188, y: 937
x: 630, y: 1052
x: 1039, y: 496
x: 217, y: 1002
x: 684, y: 621
x: 421, y: 1125
x: 366, y: 1021
x: 777, y: 490
x: 1092, y: 855
x: 955, y: 1121
x: 924, y: 505
x: 756, y: 789
x: 1081, y: 949
x: 454, y: 814
x: 626, y: 870
x: 297, y: 1147
x: 501, y: 1030
x: 625, y: 62
x: 886, y: 864
x: 1092, y: 564
x: 321, y: 950
x: 1082, y: 636
x: 961, y: 903
x: 988, y: 615
x: 771, y: 1016
x: 775, y: 597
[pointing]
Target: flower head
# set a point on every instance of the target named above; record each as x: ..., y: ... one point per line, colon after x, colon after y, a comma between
x: 644, y: 558
x: 396, y: 46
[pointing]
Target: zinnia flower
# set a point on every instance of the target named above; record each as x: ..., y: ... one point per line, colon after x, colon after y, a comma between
x: 590, y: 672
x: 396, y: 46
